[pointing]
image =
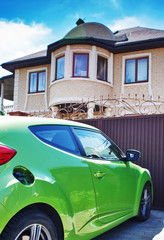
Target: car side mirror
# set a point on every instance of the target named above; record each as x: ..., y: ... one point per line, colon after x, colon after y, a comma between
x: 132, y: 155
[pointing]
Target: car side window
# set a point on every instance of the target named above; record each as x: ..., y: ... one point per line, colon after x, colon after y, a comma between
x: 56, y: 135
x: 96, y: 145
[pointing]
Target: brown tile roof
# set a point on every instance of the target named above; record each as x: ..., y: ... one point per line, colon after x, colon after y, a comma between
x: 139, y: 34
x: 133, y: 35
x: 42, y: 53
x: 138, y: 38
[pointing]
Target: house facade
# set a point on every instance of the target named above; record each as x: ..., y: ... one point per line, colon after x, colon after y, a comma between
x: 93, y: 72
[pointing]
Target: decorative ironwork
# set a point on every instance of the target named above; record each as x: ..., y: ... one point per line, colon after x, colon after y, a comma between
x: 110, y: 107
x: 104, y: 107
x: 70, y: 111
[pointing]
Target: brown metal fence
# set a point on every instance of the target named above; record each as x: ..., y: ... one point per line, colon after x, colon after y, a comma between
x: 146, y: 134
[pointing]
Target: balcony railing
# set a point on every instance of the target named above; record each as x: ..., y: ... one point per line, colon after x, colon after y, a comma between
x: 8, y: 108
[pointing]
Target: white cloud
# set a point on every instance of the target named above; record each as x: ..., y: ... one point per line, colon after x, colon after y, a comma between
x: 115, y: 3
x: 18, y: 39
x: 98, y: 15
x: 129, y: 22
x: 126, y: 22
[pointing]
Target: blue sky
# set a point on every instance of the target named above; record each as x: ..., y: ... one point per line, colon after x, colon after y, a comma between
x: 61, y: 15
x: 28, y: 26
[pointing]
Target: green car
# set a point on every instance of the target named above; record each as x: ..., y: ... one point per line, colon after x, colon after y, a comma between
x: 66, y: 180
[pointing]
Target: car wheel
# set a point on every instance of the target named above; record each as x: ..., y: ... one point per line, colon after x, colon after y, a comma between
x: 30, y: 224
x: 145, y: 203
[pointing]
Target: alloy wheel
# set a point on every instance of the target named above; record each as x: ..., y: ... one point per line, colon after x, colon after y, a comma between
x: 34, y: 232
x: 146, y: 202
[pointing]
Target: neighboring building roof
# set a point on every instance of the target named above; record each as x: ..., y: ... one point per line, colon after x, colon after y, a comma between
x: 8, y: 86
x: 42, y: 53
x: 127, y: 40
x: 34, y: 59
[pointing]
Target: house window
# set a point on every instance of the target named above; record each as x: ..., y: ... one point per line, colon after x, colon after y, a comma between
x: 80, y: 64
x: 60, y: 67
x: 102, y: 68
x: 37, y: 82
x: 136, y: 70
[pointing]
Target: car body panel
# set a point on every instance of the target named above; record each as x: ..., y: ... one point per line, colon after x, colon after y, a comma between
x: 66, y: 182
x: 115, y: 192
x: 6, y: 216
x: 77, y: 195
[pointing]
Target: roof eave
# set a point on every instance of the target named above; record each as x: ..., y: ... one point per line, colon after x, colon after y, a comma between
x: 2, y: 79
x: 111, y: 46
x: 139, y: 45
x: 11, y: 66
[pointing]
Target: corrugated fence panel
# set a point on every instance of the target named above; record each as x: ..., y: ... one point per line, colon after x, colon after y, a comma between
x: 146, y: 134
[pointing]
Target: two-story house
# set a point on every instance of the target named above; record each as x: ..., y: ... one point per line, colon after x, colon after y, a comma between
x: 92, y: 70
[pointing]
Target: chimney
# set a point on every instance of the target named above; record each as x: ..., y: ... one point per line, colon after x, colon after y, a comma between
x: 79, y: 21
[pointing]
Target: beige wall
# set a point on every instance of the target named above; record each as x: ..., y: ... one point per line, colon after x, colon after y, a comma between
x: 154, y: 87
x: 158, y: 73
x: 72, y: 89
x: 30, y: 102
x: 76, y: 90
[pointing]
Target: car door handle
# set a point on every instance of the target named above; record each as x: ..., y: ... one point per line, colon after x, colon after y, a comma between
x: 99, y: 175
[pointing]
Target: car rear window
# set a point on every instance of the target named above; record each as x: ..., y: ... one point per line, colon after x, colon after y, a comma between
x: 54, y: 135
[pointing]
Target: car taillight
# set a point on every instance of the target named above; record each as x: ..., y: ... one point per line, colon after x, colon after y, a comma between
x: 6, y: 154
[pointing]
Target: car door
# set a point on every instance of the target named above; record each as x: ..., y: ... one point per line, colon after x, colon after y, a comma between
x: 115, y: 181
x: 70, y: 173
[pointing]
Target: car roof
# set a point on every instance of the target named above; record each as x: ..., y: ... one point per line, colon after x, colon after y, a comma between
x: 19, y: 122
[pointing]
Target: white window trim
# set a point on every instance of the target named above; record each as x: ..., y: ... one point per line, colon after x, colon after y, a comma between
x: 38, y: 93
x: 16, y: 89
x: 81, y: 79
x: 109, y: 66
x: 53, y: 64
x: 131, y: 56
x: 85, y: 51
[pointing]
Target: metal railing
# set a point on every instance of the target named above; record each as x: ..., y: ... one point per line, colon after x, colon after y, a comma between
x: 8, y: 108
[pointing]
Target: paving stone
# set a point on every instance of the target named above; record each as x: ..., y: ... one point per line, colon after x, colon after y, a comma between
x: 152, y: 229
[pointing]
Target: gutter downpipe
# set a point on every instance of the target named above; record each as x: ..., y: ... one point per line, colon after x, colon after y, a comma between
x: 2, y: 96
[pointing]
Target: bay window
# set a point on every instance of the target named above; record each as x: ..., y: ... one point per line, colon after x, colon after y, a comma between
x: 102, y: 68
x: 60, y: 62
x: 80, y: 64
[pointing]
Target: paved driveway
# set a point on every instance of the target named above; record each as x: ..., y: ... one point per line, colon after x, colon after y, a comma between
x: 131, y: 230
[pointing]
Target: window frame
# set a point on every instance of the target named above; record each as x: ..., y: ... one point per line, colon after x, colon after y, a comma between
x: 62, y: 148
x: 37, y: 81
x: 106, y: 75
x: 56, y: 67
x: 81, y: 148
x: 76, y: 53
x: 136, y: 70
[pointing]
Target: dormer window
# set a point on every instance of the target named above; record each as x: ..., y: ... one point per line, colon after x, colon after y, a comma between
x: 60, y: 62
x: 102, y: 68
x: 80, y: 64
x: 37, y: 82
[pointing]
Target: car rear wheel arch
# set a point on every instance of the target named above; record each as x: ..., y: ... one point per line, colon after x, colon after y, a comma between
x: 47, y: 210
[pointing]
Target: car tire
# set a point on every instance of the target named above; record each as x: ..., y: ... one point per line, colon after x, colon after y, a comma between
x: 30, y: 223
x: 145, y: 204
